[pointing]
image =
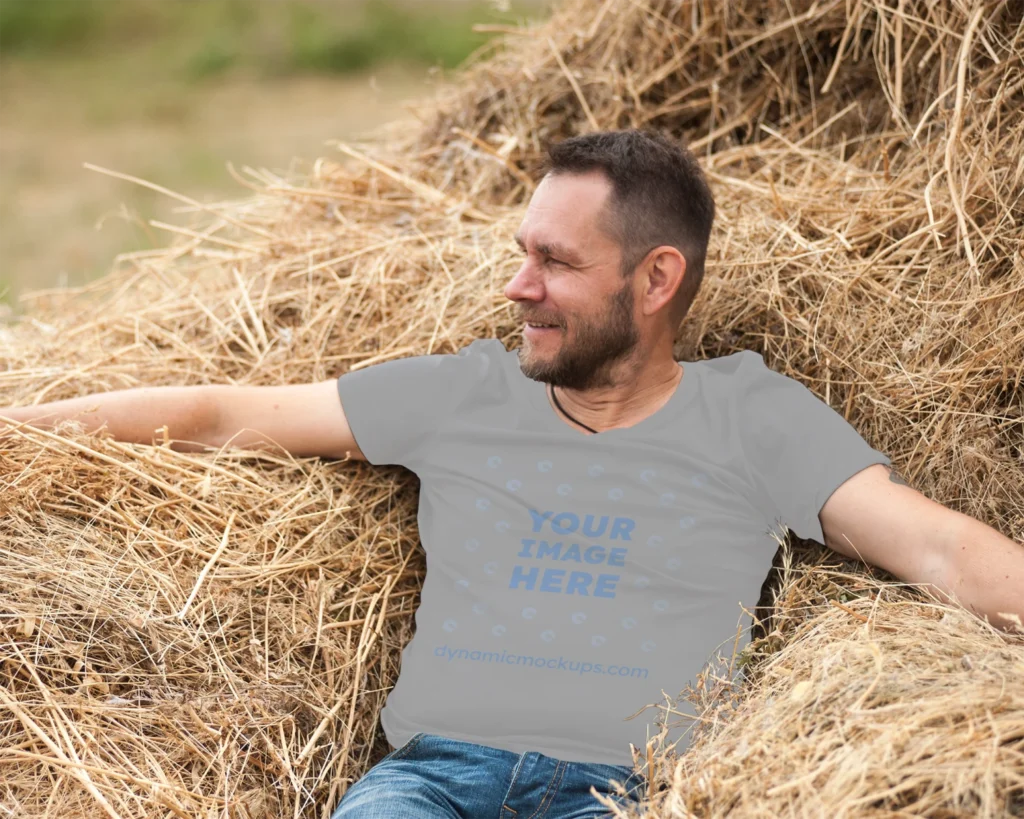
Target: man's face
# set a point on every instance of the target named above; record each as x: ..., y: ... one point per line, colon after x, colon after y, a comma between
x: 570, y: 278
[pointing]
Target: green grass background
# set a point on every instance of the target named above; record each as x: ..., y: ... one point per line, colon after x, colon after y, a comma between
x: 77, y: 74
x: 198, y: 39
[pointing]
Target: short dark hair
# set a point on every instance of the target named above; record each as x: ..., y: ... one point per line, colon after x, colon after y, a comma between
x: 659, y: 197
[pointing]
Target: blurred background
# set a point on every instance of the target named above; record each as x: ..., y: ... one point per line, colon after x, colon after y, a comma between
x: 170, y: 90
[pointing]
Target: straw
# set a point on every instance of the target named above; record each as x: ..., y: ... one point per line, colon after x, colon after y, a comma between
x: 213, y: 634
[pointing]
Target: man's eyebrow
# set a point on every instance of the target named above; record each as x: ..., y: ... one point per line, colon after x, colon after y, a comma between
x: 552, y: 249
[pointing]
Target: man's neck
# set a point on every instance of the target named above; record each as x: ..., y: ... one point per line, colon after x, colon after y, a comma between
x: 611, y: 409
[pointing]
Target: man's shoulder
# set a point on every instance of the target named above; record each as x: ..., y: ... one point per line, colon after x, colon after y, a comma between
x: 742, y: 377
x: 734, y: 364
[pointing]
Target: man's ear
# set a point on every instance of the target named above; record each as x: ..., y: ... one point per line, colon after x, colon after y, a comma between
x: 665, y: 269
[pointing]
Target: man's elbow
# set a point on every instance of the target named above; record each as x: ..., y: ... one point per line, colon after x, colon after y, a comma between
x: 203, y: 423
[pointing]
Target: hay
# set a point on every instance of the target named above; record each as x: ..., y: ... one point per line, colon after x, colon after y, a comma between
x: 214, y: 634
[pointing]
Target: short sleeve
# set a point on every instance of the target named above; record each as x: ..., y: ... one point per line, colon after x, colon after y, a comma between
x: 798, y: 449
x: 396, y: 407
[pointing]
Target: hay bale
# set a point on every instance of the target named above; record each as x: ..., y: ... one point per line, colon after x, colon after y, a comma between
x: 214, y: 634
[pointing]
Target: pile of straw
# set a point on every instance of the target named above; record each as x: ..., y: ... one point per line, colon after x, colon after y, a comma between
x: 213, y: 635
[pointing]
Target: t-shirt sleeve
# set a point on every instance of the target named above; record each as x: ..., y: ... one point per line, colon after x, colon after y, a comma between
x: 396, y: 407
x: 798, y: 449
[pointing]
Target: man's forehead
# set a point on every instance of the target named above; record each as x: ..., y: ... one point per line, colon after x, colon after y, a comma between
x: 566, y: 213
x: 579, y: 196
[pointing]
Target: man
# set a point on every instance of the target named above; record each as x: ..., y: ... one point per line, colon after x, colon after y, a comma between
x: 593, y: 512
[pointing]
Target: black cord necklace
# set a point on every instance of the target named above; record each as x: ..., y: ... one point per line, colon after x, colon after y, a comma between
x: 562, y: 409
x: 551, y: 389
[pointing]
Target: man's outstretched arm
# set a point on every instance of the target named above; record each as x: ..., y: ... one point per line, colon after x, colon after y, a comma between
x: 986, y: 572
x: 877, y: 517
x: 301, y: 419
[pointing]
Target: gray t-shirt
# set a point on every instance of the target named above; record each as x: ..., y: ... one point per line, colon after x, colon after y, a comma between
x: 573, y: 578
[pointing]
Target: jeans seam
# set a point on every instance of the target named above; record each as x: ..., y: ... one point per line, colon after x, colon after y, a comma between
x: 412, y: 743
x: 556, y: 779
x: 512, y: 784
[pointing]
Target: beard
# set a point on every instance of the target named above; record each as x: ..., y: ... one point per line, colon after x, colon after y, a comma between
x: 583, y: 359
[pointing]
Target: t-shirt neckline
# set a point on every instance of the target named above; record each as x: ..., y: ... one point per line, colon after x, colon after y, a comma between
x: 536, y: 392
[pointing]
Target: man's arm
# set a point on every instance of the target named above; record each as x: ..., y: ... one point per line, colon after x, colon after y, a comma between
x: 131, y: 415
x: 877, y: 517
x: 302, y: 419
x: 986, y: 572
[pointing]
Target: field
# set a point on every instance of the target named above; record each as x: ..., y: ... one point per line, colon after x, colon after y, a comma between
x: 171, y: 92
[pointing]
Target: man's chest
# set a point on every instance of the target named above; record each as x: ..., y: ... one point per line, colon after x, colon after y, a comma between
x: 585, y: 521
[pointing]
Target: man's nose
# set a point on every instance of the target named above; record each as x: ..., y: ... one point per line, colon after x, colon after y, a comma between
x: 525, y: 284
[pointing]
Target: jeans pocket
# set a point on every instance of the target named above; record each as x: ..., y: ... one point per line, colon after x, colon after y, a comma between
x: 402, y: 750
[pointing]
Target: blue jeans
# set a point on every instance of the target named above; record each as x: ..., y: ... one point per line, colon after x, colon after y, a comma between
x: 433, y: 777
